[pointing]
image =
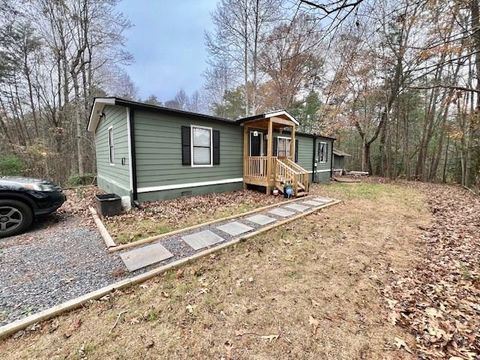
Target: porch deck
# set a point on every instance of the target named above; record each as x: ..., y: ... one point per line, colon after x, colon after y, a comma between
x: 272, y: 171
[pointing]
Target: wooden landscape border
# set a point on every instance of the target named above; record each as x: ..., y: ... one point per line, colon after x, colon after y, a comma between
x: 21, y: 324
x: 150, y: 239
x: 102, y: 229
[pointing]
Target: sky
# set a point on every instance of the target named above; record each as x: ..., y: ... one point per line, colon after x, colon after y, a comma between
x: 167, y: 42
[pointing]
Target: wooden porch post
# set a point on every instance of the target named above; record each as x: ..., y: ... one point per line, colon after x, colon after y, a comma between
x: 245, y: 155
x: 292, y: 157
x: 292, y: 144
x: 269, y: 155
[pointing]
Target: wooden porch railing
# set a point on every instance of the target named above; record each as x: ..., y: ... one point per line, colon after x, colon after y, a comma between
x: 283, y: 173
x: 256, y: 167
x: 302, y: 175
x: 287, y: 171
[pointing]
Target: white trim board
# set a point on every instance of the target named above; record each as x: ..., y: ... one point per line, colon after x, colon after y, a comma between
x: 97, y: 110
x: 187, y: 185
x: 318, y: 171
x: 277, y: 113
x: 113, y: 182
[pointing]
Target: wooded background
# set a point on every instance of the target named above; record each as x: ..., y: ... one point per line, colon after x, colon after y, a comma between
x: 395, y: 81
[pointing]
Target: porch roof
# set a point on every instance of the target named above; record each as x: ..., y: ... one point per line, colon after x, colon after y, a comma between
x: 278, y: 113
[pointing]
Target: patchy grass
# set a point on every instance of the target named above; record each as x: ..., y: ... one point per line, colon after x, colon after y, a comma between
x: 311, y: 289
x: 160, y: 217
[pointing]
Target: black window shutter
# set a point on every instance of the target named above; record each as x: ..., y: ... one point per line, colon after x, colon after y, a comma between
x: 186, y: 155
x: 275, y: 146
x: 296, y: 150
x: 216, y: 147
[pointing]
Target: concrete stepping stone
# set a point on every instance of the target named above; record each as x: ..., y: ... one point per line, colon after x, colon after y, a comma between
x: 297, y: 207
x: 281, y: 212
x: 144, y: 256
x: 322, y: 199
x: 261, y: 219
x: 202, y: 239
x: 234, y: 228
x: 312, y: 203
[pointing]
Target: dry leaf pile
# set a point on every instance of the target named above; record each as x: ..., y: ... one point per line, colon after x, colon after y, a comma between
x: 438, y: 301
x: 78, y: 201
x: 186, y: 211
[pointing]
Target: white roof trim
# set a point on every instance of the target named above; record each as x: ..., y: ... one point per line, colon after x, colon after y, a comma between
x: 277, y: 113
x: 97, y: 110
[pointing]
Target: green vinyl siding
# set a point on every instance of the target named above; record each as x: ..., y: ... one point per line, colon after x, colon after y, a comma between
x: 159, y: 151
x: 113, y: 178
x: 323, y: 168
x: 305, y: 152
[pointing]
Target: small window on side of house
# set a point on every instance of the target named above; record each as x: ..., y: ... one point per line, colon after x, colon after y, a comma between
x: 322, y: 152
x: 111, y: 146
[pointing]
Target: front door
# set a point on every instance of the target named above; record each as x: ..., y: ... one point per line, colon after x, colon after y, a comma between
x: 256, y: 149
x: 256, y: 143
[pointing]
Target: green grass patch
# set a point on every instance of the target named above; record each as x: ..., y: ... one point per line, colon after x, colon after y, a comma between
x: 368, y: 191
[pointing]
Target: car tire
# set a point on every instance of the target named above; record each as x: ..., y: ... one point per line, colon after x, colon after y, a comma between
x: 15, y: 217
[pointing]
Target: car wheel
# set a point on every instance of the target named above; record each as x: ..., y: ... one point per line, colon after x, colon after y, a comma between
x: 15, y: 217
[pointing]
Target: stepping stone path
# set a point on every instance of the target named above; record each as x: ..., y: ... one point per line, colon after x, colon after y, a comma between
x: 234, y: 228
x: 261, y: 219
x: 297, y: 207
x: 281, y: 212
x: 144, y: 256
x: 202, y: 239
x: 183, y: 245
x: 323, y: 199
x: 312, y: 203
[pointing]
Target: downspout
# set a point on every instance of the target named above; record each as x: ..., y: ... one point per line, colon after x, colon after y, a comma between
x: 331, y: 161
x: 133, y: 155
x: 313, y: 157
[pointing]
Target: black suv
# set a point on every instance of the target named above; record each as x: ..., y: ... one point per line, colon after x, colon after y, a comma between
x: 22, y: 199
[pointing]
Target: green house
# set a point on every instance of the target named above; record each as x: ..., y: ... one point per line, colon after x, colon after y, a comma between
x: 148, y: 152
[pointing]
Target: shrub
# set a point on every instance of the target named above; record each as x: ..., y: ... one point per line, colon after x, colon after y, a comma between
x: 78, y: 180
x: 11, y: 165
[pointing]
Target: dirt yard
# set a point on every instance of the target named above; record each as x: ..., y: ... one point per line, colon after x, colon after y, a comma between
x: 329, y: 286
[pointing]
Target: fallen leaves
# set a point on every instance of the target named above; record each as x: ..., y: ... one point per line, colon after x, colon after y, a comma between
x: 401, y: 344
x: 438, y: 299
x: 314, y: 323
x: 78, y: 201
x: 269, y: 338
x: 163, y: 216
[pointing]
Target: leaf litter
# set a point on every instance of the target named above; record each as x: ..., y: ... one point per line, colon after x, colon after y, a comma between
x: 438, y: 300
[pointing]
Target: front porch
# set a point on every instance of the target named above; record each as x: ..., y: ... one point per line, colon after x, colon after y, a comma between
x: 275, y: 166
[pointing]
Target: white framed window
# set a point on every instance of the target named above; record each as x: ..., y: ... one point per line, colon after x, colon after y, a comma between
x: 322, y: 152
x: 111, y: 146
x: 283, y: 146
x: 201, y: 146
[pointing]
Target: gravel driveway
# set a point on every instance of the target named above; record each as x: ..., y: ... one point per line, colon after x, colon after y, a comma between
x: 57, y: 261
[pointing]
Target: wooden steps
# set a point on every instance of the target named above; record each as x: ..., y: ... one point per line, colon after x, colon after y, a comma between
x: 287, y: 171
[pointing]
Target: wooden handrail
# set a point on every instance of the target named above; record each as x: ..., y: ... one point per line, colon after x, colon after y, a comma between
x: 256, y: 166
x: 293, y: 173
x: 283, y: 172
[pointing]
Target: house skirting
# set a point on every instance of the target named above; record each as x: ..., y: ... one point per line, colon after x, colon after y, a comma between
x: 174, y: 191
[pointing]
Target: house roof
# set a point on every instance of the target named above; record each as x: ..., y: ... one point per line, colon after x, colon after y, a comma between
x: 100, y: 103
x: 340, y: 153
x: 279, y: 113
